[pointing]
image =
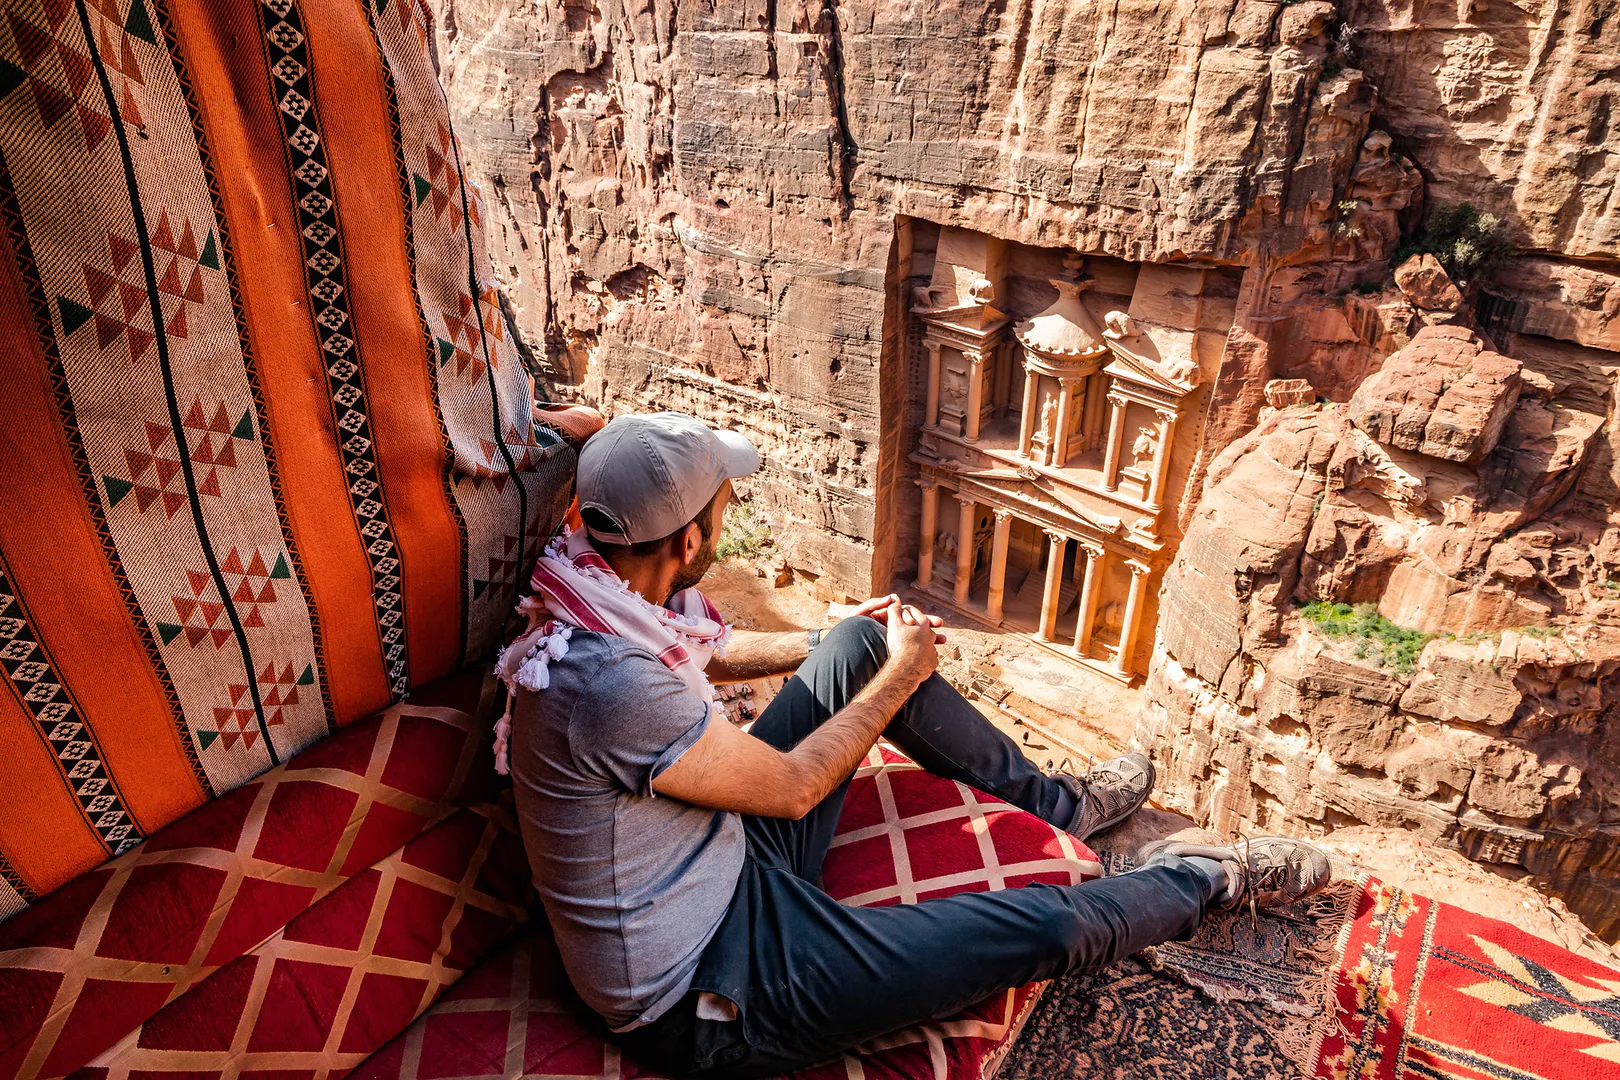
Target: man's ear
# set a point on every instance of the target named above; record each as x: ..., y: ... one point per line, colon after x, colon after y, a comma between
x: 691, y: 541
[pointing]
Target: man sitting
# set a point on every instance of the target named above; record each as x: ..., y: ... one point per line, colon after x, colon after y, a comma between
x: 677, y: 855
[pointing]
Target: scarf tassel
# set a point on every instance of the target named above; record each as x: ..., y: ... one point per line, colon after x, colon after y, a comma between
x: 530, y: 672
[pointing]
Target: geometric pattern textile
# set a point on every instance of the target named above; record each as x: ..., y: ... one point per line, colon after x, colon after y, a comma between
x: 100, y: 955
x: 1416, y: 990
x: 340, y: 980
x: 1425, y: 990
x: 904, y: 835
x: 1132, y: 1022
x: 272, y: 454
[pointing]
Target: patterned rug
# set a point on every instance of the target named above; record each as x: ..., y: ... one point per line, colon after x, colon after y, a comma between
x: 1371, y: 982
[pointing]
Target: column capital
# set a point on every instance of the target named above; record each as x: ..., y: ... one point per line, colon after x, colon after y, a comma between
x: 1117, y: 399
x: 933, y: 345
x: 927, y: 483
x: 1056, y: 537
x: 1166, y: 416
x: 1068, y: 382
x: 964, y: 498
x: 1001, y: 514
x: 1138, y: 568
x: 973, y: 356
x: 1091, y: 548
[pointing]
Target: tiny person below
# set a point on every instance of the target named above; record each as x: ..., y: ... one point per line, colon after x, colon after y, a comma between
x: 677, y: 855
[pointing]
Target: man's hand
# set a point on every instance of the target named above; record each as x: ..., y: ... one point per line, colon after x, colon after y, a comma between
x: 729, y: 769
x: 878, y: 608
x: 911, y: 641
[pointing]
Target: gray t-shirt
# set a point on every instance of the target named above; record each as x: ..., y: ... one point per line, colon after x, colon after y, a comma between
x: 634, y: 884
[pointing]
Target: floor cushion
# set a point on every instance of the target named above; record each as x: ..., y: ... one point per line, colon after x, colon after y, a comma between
x: 905, y: 836
x: 103, y: 953
x: 332, y: 986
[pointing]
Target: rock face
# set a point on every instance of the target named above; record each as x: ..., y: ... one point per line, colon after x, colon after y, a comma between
x: 702, y: 206
x: 1444, y: 394
x: 1496, y: 740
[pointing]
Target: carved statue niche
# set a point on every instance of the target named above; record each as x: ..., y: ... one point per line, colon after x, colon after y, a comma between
x: 1110, y: 617
x: 1049, y: 409
x: 1143, y: 449
x: 1117, y: 325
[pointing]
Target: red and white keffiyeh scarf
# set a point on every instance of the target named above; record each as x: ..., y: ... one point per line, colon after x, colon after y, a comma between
x: 574, y: 587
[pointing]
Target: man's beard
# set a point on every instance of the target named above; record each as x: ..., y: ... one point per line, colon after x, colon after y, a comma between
x: 689, y: 575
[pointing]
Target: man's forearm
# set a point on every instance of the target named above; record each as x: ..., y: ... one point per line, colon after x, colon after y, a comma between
x: 830, y: 753
x: 756, y: 654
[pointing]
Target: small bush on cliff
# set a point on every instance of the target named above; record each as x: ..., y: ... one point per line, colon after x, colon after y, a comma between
x: 1376, y: 637
x: 744, y: 534
x: 1465, y: 241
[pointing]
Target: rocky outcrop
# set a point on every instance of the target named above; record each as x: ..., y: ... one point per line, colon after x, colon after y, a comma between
x: 699, y: 206
x: 1426, y: 284
x: 1264, y: 714
x: 704, y: 206
x: 1444, y: 394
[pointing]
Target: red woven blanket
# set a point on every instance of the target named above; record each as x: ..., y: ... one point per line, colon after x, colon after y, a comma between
x: 1425, y: 990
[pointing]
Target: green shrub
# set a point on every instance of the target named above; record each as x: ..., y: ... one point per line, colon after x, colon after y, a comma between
x: 1466, y: 241
x: 745, y: 534
x: 1376, y: 637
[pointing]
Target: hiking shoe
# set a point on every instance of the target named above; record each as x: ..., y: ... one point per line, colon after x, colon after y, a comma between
x: 1106, y: 795
x: 1269, y: 871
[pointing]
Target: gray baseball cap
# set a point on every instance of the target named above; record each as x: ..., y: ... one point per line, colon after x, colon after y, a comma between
x: 653, y: 472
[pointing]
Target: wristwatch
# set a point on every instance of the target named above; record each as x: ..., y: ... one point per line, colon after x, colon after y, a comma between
x: 814, y: 637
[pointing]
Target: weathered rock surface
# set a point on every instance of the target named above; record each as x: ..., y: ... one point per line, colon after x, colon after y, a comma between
x: 696, y: 206
x: 1425, y: 283
x: 1444, y: 394
x: 1498, y: 742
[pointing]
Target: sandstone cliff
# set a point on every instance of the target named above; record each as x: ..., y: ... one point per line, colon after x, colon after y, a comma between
x: 1446, y: 499
x: 696, y: 204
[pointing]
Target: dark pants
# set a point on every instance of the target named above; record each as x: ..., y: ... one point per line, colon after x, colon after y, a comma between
x: 813, y: 977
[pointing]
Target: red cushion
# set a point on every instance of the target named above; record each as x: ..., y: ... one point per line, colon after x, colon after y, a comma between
x: 905, y: 835
x: 344, y: 977
x: 201, y: 892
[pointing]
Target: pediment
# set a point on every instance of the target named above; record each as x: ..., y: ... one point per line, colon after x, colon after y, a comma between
x: 1027, y: 483
x: 1144, y: 371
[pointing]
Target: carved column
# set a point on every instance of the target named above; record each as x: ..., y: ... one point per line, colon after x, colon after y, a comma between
x: 975, y: 401
x: 1095, y: 556
x: 1161, y: 458
x: 1004, y: 378
x: 1096, y: 388
x: 1133, y: 616
x: 1058, y: 451
x: 931, y: 398
x: 1116, y: 436
x: 964, y: 547
x: 998, y: 564
x: 925, y: 551
x: 1026, y: 423
x: 1054, y: 585
x: 1081, y: 409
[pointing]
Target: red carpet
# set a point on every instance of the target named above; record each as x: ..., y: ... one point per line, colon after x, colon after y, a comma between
x: 1428, y: 990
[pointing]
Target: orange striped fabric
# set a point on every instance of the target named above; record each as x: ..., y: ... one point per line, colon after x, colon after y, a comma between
x: 270, y: 457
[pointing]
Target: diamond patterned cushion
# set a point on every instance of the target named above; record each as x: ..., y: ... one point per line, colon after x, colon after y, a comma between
x: 110, y: 948
x: 905, y: 835
x: 344, y: 977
